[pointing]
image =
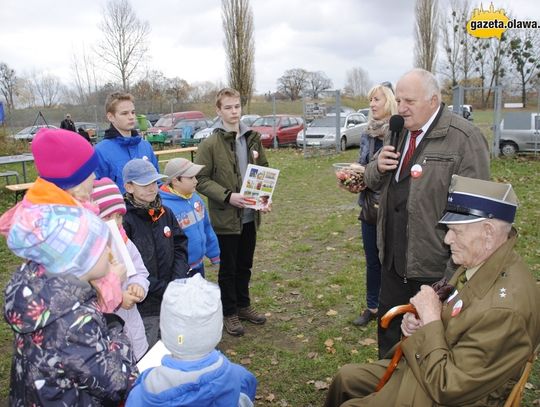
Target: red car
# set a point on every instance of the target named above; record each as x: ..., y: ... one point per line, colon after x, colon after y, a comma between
x: 286, y: 128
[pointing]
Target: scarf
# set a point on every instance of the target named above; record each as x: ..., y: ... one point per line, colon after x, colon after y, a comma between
x: 155, y: 208
x: 377, y: 128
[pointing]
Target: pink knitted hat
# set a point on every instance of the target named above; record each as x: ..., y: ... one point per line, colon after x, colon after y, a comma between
x: 108, y: 197
x: 63, y: 157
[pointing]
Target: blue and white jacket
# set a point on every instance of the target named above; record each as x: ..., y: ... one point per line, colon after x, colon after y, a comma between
x: 115, y: 150
x: 212, y: 381
x: 193, y: 218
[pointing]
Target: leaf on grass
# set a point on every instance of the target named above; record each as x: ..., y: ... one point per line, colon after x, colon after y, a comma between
x: 285, y: 318
x: 300, y: 336
x: 367, y: 342
x: 329, y: 342
x: 245, y: 361
x: 312, y: 355
x: 270, y: 397
x: 321, y: 385
x: 230, y: 352
x: 295, y: 292
x: 332, y: 313
x: 350, y: 297
x: 354, y: 352
x: 338, y: 338
x: 330, y: 248
x: 309, y: 320
x: 319, y: 296
x: 529, y: 386
x: 335, y: 286
x: 274, y: 362
x: 331, y: 350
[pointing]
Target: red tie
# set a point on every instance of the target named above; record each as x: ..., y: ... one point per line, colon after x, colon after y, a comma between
x: 410, y: 149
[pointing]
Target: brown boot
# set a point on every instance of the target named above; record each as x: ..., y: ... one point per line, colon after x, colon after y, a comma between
x: 249, y: 314
x: 233, y: 326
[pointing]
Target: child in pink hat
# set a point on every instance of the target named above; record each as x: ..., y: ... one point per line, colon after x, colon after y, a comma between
x: 107, y: 197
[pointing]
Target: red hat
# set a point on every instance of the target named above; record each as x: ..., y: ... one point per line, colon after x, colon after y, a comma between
x: 63, y: 157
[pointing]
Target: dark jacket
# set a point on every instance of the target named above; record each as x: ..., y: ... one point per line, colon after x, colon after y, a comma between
x: 221, y: 176
x: 163, y: 248
x: 68, y: 125
x: 115, y: 150
x: 409, y: 211
x: 64, y: 353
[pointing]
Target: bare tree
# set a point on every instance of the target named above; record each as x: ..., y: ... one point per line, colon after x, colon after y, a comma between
x: 204, y: 92
x: 293, y: 83
x: 239, y: 46
x: 8, y: 84
x: 357, y: 82
x: 84, y: 73
x: 47, y: 88
x: 524, y: 45
x: 453, y: 38
x: 124, y: 43
x: 316, y: 83
x: 426, y: 34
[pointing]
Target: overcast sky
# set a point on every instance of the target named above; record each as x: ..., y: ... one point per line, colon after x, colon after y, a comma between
x: 186, y: 37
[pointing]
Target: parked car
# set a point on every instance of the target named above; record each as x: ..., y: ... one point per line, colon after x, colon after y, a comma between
x: 248, y: 119
x: 520, y: 133
x: 466, y: 111
x: 153, y: 117
x: 28, y: 133
x: 364, y: 111
x: 322, y: 132
x: 343, y: 110
x: 175, y: 135
x: 168, y: 121
x: 203, y: 133
x: 286, y: 127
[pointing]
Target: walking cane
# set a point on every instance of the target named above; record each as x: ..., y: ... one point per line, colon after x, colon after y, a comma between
x: 398, y: 353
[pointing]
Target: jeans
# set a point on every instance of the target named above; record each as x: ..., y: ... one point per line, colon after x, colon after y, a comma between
x: 235, y: 268
x: 373, y: 265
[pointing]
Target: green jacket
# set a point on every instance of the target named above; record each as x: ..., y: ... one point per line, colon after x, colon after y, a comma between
x: 452, y: 146
x: 473, y: 357
x: 220, y: 176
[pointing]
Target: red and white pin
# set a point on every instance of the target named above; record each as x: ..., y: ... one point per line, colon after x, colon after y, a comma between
x: 416, y: 171
x: 167, y: 231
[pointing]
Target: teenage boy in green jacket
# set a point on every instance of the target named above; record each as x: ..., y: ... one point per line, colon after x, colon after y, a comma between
x: 225, y: 155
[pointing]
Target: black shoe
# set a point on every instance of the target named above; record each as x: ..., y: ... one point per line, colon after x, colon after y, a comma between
x: 365, y: 317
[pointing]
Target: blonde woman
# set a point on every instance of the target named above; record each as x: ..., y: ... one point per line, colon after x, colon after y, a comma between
x: 382, y: 105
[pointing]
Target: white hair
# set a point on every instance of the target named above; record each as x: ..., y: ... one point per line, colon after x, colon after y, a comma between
x: 431, y: 86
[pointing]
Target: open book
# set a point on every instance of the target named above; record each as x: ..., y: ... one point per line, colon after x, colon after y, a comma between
x: 258, y: 186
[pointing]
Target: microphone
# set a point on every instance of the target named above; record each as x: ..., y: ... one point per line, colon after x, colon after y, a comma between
x: 396, y: 125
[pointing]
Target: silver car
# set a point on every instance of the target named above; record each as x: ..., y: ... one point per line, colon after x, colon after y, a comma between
x: 321, y: 132
x: 28, y: 133
x: 520, y: 133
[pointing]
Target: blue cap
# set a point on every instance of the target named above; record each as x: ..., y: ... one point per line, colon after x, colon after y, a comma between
x: 473, y: 200
x: 140, y: 172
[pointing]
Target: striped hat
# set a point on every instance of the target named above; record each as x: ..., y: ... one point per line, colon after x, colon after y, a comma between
x: 107, y: 196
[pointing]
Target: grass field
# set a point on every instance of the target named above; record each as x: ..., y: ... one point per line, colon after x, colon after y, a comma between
x: 308, y: 277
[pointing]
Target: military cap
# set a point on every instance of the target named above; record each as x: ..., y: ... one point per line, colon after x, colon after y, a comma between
x: 472, y: 200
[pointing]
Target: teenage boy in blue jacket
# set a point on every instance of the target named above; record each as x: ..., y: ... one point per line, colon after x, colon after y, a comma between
x: 122, y: 142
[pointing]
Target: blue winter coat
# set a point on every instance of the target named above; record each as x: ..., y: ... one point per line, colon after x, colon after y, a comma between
x: 184, y: 383
x: 193, y: 218
x: 115, y: 150
x: 64, y: 354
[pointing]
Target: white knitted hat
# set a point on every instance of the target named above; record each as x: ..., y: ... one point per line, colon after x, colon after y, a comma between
x: 191, y: 317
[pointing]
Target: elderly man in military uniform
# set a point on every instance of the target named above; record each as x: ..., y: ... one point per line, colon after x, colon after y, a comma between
x: 471, y: 348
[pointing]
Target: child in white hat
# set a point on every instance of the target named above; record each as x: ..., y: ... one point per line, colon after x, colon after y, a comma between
x: 195, y: 373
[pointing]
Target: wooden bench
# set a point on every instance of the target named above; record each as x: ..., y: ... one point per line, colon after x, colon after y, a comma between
x: 191, y: 150
x: 19, y: 189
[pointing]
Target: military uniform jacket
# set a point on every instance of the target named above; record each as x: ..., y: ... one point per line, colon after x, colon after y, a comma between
x: 476, y: 353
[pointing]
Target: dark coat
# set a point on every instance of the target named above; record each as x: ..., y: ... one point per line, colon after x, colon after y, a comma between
x: 64, y: 353
x: 163, y: 248
x: 68, y: 124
